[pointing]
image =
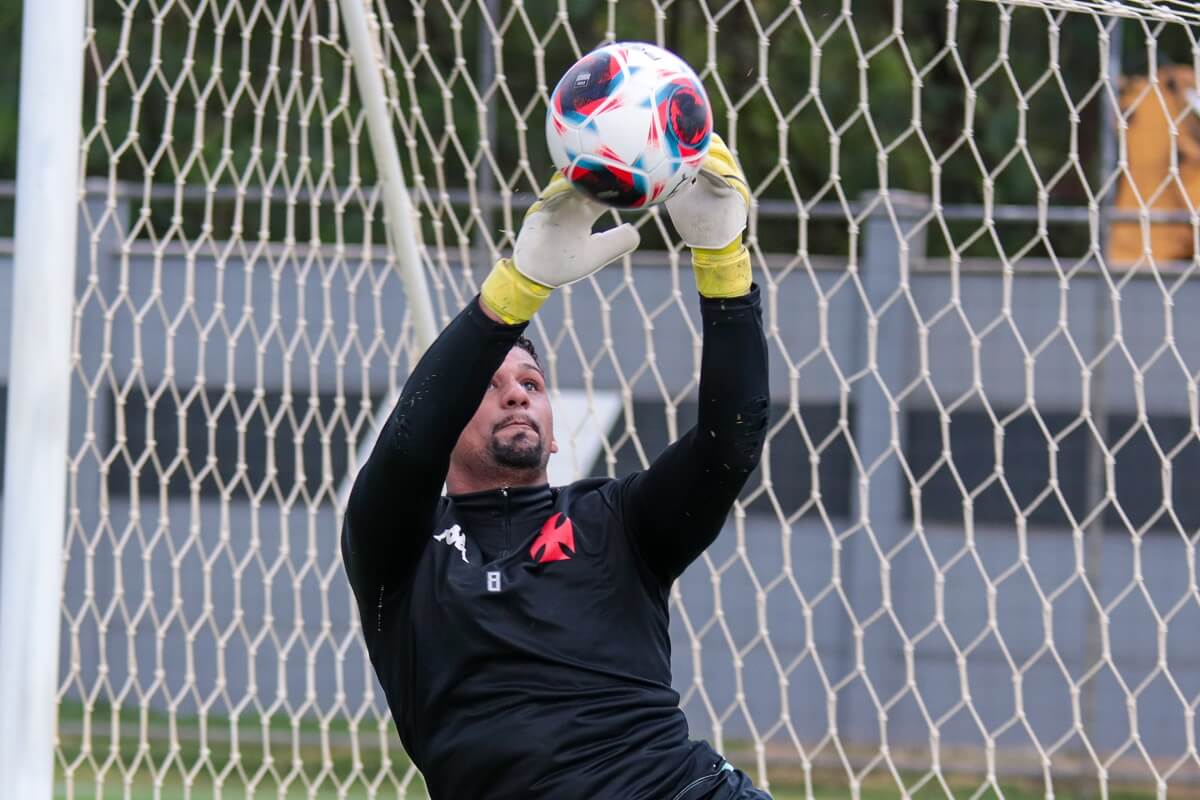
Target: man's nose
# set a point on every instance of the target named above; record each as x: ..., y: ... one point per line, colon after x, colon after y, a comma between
x: 515, y: 395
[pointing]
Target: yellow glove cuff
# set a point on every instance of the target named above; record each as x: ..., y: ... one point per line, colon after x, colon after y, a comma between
x: 511, y: 295
x: 724, y: 272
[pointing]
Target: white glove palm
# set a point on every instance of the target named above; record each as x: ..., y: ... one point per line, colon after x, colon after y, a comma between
x: 556, y: 245
x: 711, y: 213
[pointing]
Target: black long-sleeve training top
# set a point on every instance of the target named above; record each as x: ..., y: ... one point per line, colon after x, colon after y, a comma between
x: 545, y: 670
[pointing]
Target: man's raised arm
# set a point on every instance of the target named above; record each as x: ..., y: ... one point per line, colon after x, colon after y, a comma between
x: 390, y: 512
x: 677, y: 507
x: 396, y: 493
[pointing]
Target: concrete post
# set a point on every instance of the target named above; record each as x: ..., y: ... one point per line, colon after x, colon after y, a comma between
x: 886, y: 356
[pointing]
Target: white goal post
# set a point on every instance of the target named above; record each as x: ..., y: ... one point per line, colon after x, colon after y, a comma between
x: 43, y: 280
x: 967, y: 565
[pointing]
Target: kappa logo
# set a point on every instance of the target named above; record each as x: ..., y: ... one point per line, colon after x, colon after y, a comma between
x: 454, y: 537
x: 556, y: 542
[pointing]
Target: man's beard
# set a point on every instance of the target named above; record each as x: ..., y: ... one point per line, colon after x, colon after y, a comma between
x: 522, y: 451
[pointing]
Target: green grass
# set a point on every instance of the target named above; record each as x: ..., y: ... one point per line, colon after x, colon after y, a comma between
x: 144, y: 789
x: 186, y: 758
x: 137, y: 755
x: 1009, y: 793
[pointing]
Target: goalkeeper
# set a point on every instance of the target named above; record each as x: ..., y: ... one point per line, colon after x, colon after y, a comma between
x: 519, y: 631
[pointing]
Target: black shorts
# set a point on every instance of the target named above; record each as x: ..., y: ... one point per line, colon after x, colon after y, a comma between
x: 729, y: 784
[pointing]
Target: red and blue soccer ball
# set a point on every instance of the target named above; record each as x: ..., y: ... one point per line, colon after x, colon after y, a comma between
x: 628, y: 124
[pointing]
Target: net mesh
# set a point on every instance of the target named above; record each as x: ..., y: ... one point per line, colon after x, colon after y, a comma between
x: 967, y: 565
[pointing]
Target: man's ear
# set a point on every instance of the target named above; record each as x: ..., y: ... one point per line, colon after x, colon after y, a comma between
x: 553, y: 444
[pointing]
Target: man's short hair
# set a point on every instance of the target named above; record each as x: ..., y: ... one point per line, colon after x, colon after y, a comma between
x: 527, y: 346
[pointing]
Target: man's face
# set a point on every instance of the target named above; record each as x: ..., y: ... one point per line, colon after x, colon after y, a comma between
x: 513, y: 428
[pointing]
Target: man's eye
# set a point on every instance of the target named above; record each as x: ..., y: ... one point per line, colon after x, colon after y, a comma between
x: 531, y: 386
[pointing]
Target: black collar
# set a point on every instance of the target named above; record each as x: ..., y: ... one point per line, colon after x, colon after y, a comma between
x: 516, y: 500
x: 498, y: 521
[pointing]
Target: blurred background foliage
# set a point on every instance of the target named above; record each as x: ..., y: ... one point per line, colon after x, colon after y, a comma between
x: 831, y: 106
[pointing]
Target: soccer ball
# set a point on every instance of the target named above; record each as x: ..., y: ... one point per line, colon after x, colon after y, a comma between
x: 628, y: 124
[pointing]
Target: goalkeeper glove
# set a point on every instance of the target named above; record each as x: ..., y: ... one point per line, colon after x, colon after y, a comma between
x: 555, y: 247
x: 710, y: 216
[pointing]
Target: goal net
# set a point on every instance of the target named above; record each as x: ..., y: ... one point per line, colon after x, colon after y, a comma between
x: 967, y: 564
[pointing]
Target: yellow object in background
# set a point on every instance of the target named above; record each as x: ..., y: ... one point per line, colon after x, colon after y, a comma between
x: 1149, y: 183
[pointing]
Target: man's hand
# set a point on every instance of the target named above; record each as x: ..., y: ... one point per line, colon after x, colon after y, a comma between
x: 555, y: 247
x: 710, y: 216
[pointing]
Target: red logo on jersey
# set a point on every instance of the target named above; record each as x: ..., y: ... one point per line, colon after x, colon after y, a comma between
x: 556, y: 542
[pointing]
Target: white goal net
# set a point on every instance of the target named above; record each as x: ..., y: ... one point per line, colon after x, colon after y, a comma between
x: 967, y: 565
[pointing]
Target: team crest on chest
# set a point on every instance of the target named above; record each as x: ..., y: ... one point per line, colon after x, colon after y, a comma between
x: 555, y: 542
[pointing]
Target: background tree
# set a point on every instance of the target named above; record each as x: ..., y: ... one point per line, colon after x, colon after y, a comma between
x: 818, y: 64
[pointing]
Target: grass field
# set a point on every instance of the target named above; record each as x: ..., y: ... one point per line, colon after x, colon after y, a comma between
x: 175, y: 788
x: 190, y: 759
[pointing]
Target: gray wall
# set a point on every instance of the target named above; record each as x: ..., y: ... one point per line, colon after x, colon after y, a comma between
x: 196, y: 598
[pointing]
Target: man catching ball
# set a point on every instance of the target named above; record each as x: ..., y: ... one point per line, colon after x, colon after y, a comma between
x: 519, y: 630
